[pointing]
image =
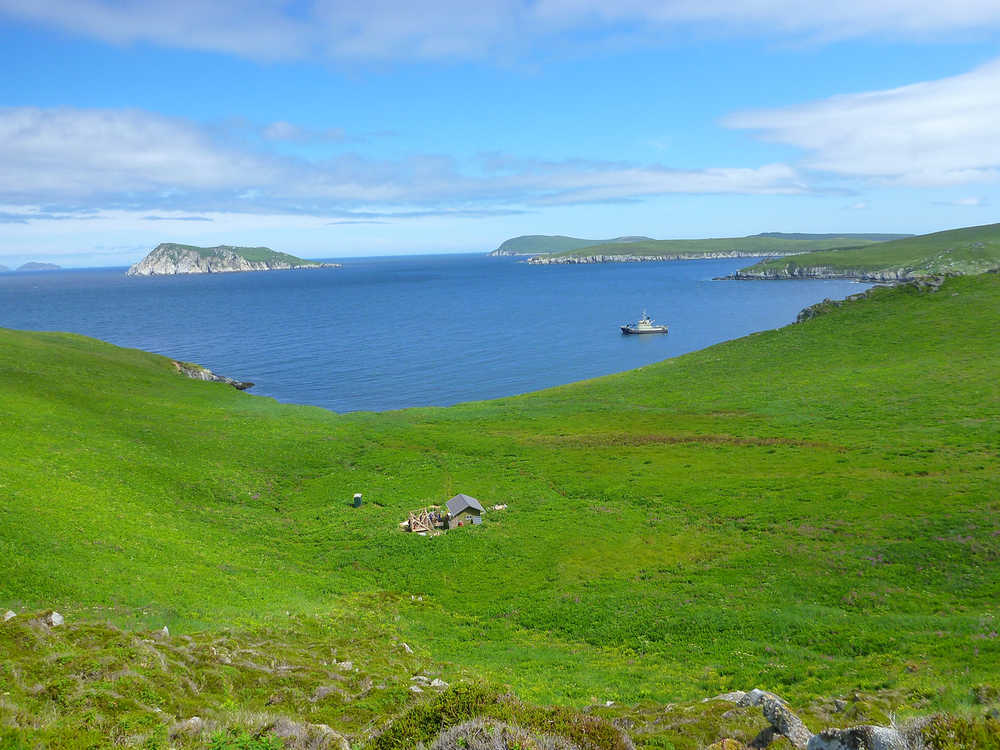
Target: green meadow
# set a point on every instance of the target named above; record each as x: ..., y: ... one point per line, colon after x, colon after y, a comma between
x: 956, y: 251
x: 813, y: 510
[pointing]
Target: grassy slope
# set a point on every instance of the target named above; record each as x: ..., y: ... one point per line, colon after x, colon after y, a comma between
x: 811, y: 509
x: 544, y: 243
x: 968, y: 250
x: 756, y: 244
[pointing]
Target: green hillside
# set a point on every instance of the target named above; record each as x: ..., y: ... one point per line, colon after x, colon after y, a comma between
x: 811, y: 510
x: 967, y: 250
x: 753, y: 245
x: 542, y: 243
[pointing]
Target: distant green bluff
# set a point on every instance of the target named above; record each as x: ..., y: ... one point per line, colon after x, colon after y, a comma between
x: 169, y: 259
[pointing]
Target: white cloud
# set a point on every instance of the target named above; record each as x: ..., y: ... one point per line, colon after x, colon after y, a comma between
x: 440, y: 29
x: 933, y: 133
x: 970, y: 202
x: 859, y: 206
x: 72, y: 159
x: 830, y: 20
x: 286, y: 131
x: 59, y: 154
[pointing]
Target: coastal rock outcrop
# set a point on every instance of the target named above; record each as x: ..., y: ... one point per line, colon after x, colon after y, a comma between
x: 922, y: 284
x: 792, y: 271
x: 197, y: 372
x: 169, y: 259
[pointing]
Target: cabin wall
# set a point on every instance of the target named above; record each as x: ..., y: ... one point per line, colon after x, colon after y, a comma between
x: 464, y: 516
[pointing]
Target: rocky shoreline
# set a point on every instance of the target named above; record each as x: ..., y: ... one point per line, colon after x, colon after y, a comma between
x: 543, y: 260
x: 921, y: 284
x: 197, y: 372
x: 887, y: 276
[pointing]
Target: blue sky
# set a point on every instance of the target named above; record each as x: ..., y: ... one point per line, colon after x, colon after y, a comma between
x: 327, y: 128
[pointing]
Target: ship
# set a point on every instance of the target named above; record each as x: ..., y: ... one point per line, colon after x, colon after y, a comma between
x: 644, y: 325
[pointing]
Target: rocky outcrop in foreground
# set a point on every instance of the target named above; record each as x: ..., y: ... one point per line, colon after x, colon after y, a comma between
x: 785, y: 723
x: 197, y: 372
x: 169, y: 259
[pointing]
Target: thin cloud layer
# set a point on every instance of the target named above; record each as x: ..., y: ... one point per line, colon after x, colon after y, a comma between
x: 136, y: 160
x: 454, y: 29
x: 934, y: 133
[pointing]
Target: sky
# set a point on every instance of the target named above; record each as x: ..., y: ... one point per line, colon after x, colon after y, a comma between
x: 333, y: 128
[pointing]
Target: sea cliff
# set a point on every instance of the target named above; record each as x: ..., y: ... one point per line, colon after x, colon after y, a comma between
x: 549, y: 260
x: 884, y: 276
x: 170, y: 259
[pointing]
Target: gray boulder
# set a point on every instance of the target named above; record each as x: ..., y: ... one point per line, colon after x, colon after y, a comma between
x: 9, y: 615
x: 859, y: 738
x: 311, y: 736
x: 786, y: 723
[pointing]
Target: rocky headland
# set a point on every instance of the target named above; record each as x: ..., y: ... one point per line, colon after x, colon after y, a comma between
x: 169, y: 259
x: 549, y: 260
x: 884, y: 276
x: 965, y: 251
x: 35, y: 266
x: 535, y: 244
x: 922, y: 284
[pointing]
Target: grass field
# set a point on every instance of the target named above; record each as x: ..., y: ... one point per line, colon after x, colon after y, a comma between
x: 812, y: 510
x: 969, y: 250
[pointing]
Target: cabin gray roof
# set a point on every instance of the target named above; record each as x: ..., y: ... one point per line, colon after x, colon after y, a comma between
x: 461, y: 502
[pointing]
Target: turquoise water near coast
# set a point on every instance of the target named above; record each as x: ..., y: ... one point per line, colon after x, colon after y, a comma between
x: 388, y: 333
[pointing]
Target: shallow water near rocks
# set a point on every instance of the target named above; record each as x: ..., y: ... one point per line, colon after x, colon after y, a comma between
x: 388, y: 333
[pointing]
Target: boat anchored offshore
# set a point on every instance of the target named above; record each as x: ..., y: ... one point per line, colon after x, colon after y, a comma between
x: 645, y: 325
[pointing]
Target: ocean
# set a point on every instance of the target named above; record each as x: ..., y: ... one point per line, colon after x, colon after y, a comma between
x: 395, y: 332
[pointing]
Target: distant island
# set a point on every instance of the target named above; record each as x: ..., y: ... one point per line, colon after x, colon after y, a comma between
x: 533, y: 244
x: 34, y: 266
x: 643, y: 249
x: 969, y: 250
x: 3, y: 268
x: 169, y: 259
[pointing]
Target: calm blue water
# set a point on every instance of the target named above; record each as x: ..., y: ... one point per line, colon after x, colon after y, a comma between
x: 386, y: 333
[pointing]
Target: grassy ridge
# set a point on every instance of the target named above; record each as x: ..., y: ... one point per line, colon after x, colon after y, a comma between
x: 755, y: 245
x: 968, y: 250
x: 810, y: 509
x: 543, y: 243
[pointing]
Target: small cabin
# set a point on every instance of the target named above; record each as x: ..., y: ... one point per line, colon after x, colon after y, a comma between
x: 464, y: 511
